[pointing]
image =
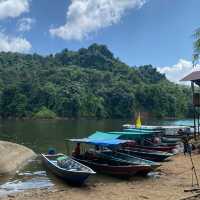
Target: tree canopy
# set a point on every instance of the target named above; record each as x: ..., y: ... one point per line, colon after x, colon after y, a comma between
x: 196, y: 51
x: 89, y: 82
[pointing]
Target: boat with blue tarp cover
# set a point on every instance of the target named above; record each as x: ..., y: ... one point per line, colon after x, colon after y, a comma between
x: 67, y: 168
x: 113, y: 167
x: 109, y: 164
x: 124, y: 137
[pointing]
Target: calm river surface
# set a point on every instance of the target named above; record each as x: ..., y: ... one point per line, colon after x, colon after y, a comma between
x: 39, y: 135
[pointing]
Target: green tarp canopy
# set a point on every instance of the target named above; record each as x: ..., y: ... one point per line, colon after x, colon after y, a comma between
x: 118, y: 135
x: 103, y: 136
x: 142, y: 131
x: 130, y: 135
x: 111, y: 138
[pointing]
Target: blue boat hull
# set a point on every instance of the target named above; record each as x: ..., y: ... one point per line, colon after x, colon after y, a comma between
x: 70, y: 177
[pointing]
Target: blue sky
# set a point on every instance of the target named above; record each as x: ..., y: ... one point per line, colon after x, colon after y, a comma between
x: 157, y: 32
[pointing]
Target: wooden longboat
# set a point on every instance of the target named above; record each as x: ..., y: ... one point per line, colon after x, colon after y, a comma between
x: 157, y: 148
x: 74, y: 172
x: 113, y: 167
x: 160, y: 144
x: 157, y: 156
x: 170, y: 140
x: 118, y: 156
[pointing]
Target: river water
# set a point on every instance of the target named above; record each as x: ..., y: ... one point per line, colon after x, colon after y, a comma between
x: 39, y: 135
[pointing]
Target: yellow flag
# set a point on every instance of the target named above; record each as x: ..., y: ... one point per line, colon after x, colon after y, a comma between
x: 138, y: 123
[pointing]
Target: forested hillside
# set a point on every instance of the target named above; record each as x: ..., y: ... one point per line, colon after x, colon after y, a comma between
x: 86, y: 83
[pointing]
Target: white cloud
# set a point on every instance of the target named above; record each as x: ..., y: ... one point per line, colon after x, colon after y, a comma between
x: 178, y: 71
x: 25, y: 24
x: 13, y: 44
x: 13, y: 8
x: 87, y: 16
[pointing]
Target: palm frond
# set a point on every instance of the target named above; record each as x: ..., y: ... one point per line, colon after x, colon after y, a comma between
x: 196, y: 33
x: 196, y: 45
x: 195, y: 58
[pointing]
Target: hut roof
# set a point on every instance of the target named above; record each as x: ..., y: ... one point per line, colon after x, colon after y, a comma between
x: 194, y: 76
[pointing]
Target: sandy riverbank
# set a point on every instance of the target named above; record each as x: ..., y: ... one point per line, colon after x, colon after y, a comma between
x: 175, y: 177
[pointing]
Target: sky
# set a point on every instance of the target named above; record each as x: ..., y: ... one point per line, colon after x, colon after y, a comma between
x: 139, y: 32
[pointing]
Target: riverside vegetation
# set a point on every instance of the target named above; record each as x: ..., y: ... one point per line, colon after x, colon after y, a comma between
x: 85, y: 83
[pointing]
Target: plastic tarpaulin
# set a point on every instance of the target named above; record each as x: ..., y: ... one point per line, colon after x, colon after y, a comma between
x: 130, y: 135
x: 142, y: 131
x: 98, y: 142
x: 103, y: 136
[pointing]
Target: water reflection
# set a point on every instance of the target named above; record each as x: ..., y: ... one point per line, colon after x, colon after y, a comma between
x: 31, y: 177
x: 39, y: 135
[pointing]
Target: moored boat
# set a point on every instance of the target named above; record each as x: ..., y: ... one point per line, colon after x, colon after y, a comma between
x: 108, y: 164
x: 149, y: 142
x: 157, y: 156
x: 138, y: 130
x: 118, y: 156
x: 67, y: 168
x: 157, y: 148
x: 167, y: 131
x: 112, y: 166
x: 171, y: 140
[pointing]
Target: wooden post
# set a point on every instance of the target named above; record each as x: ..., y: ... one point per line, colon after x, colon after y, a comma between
x: 194, y: 109
x: 194, y: 170
x: 198, y: 121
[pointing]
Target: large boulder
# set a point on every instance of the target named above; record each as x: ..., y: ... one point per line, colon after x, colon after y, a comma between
x: 13, y: 156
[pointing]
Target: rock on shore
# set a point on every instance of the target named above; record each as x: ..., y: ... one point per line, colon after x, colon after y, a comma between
x: 13, y: 156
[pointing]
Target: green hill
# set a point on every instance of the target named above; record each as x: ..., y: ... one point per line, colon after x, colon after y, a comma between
x: 85, y: 83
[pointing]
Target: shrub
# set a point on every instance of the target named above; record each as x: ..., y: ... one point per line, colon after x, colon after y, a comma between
x: 45, y: 113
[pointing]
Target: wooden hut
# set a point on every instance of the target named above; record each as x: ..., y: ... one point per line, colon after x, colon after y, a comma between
x: 194, y: 78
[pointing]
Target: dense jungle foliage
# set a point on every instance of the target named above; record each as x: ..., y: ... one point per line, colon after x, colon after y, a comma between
x: 85, y: 83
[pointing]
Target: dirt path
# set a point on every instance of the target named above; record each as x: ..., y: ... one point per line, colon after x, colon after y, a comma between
x: 175, y: 177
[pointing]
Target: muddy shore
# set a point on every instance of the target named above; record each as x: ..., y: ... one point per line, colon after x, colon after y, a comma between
x: 174, y: 177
